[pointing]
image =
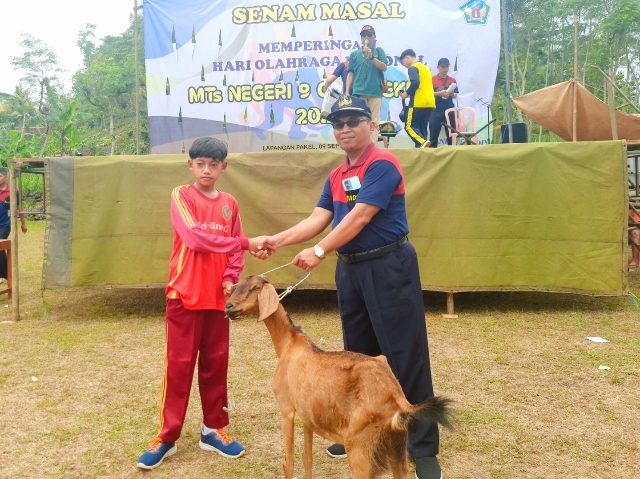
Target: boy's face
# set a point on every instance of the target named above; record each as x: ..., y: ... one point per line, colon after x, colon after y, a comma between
x: 207, y: 171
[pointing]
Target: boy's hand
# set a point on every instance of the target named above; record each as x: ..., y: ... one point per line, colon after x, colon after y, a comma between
x: 260, y: 247
x: 227, y: 287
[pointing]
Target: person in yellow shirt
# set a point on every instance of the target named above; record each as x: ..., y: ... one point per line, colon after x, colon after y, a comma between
x: 422, y: 100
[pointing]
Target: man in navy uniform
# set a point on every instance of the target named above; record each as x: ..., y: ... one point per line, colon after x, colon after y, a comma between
x: 377, y: 277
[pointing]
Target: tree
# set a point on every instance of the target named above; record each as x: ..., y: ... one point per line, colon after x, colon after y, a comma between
x: 40, y: 67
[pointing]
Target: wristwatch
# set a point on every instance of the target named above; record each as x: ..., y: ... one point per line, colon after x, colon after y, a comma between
x: 318, y: 251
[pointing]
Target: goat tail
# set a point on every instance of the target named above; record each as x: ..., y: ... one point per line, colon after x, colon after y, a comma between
x: 436, y: 409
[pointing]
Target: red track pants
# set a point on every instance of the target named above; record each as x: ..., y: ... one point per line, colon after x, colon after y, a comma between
x: 190, y: 332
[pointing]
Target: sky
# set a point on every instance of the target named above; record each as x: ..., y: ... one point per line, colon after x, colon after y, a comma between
x: 56, y: 23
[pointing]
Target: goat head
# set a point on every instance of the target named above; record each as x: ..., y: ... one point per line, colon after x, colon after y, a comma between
x: 252, y: 295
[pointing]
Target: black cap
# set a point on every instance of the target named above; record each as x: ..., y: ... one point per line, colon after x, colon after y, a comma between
x: 367, y: 29
x: 349, y: 104
x: 443, y: 62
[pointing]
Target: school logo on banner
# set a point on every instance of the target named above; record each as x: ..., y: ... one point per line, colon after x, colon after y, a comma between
x: 476, y: 12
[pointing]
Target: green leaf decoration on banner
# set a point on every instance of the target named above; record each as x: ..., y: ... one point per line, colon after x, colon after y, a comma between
x: 330, y: 31
x: 173, y: 35
x: 183, y: 150
x: 455, y: 65
x: 224, y: 121
x: 180, y: 116
x: 168, y: 87
x: 220, y: 38
x: 297, y: 76
x: 281, y: 76
x: 272, y: 118
x: 253, y: 78
x: 224, y: 80
x: 193, y: 34
x: 202, y: 74
x: 324, y: 74
x: 389, y: 115
x: 246, y: 115
x: 293, y: 31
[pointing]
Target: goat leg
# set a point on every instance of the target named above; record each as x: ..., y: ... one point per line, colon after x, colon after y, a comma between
x: 307, y: 456
x: 359, y: 461
x: 287, y: 432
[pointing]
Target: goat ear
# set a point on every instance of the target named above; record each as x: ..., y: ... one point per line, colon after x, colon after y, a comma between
x: 267, y: 301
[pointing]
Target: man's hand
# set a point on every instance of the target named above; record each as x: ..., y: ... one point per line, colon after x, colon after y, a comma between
x: 404, y: 95
x: 227, y: 287
x: 262, y: 246
x: 24, y: 227
x: 306, y: 259
x: 367, y: 52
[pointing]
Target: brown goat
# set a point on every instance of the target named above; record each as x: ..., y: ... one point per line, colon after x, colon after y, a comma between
x: 346, y: 397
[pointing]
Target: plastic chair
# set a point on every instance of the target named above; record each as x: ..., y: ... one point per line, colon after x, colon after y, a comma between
x: 465, y: 125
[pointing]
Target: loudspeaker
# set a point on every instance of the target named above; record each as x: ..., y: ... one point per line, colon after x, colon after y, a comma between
x: 519, y: 132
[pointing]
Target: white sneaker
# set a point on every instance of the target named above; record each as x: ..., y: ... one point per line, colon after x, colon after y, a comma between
x: 426, y: 144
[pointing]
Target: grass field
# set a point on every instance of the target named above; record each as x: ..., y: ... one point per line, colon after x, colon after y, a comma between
x: 531, y: 400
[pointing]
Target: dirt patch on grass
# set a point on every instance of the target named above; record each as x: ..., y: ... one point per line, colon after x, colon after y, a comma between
x: 531, y: 399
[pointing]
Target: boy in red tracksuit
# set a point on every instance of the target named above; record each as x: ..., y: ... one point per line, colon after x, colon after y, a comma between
x: 206, y: 261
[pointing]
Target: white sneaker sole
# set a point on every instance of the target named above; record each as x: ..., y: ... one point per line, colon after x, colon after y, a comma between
x: 169, y: 453
x: 441, y: 477
x: 206, y: 447
x: 336, y: 456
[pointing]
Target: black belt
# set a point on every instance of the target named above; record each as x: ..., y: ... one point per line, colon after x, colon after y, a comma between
x: 374, y: 253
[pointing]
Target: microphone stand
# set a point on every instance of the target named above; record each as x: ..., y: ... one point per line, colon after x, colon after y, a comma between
x: 488, y: 105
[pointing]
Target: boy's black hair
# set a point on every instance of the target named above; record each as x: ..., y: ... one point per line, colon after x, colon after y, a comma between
x: 208, y: 148
x: 407, y: 53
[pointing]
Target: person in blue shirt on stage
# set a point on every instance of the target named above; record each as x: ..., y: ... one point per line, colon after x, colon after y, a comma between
x: 377, y: 277
x: 342, y: 72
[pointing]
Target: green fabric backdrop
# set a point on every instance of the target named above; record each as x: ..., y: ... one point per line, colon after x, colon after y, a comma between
x: 547, y: 217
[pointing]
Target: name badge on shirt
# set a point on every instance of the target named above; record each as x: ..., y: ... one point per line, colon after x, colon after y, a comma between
x: 351, y: 184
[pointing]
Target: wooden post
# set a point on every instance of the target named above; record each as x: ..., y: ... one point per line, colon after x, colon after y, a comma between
x: 13, y: 209
x: 575, y: 78
x: 450, y: 311
x: 505, y: 44
x: 612, y: 109
x: 135, y: 46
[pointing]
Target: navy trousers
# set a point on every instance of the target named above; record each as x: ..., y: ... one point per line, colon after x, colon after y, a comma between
x: 382, y: 312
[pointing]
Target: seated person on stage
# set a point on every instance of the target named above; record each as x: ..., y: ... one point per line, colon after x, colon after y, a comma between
x: 444, y: 100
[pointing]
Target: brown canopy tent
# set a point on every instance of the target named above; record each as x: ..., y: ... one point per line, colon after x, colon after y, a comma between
x: 552, y: 108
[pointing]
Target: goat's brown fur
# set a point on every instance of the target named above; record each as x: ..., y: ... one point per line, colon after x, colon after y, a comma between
x: 346, y: 397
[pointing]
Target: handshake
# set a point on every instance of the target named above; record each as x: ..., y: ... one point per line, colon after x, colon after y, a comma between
x: 262, y: 246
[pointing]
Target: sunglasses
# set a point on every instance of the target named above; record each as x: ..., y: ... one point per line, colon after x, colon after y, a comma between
x: 366, y: 34
x: 351, y: 123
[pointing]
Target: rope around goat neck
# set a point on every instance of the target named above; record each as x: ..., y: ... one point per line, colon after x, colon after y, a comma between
x: 288, y: 290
